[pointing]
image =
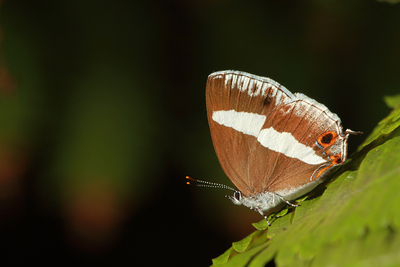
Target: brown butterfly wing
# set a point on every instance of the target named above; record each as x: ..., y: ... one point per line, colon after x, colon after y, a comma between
x: 306, y: 122
x: 252, y: 167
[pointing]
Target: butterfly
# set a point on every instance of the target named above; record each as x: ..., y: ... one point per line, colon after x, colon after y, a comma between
x: 273, y: 145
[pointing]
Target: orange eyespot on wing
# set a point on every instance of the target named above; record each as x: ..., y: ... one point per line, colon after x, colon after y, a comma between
x: 327, y: 139
x: 336, y: 159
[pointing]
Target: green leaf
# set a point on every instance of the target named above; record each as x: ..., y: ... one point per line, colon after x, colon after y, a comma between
x: 387, y: 125
x: 392, y: 101
x: 223, y: 259
x: 241, y: 245
x: 355, y: 222
x: 261, y: 225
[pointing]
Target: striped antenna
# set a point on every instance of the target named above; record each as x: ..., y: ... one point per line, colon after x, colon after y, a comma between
x: 207, y: 184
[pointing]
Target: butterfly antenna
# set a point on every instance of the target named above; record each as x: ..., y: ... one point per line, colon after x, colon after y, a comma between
x: 201, y: 183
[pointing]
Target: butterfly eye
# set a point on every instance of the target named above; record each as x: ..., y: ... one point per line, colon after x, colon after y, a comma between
x: 327, y: 139
x: 237, y: 195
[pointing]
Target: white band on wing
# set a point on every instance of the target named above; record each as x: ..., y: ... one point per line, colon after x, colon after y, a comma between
x: 282, y: 142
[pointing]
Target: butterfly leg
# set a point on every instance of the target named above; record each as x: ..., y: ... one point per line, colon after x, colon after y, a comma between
x: 266, y: 218
x: 291, y: 204
x: 262, y: 214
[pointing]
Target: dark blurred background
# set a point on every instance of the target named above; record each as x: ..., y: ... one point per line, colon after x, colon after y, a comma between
x: 102, y: 114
